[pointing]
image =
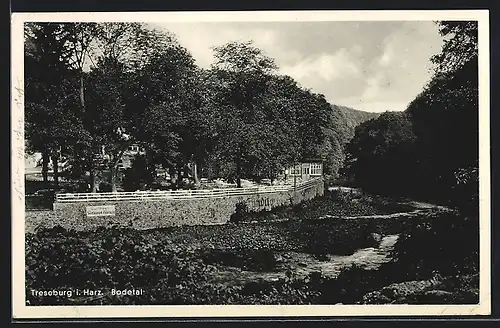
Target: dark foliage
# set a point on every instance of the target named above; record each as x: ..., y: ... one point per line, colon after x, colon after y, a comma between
x: 258, y: 260
x: 333, y: 203
x: 180, y: 268
x: 240, y: 214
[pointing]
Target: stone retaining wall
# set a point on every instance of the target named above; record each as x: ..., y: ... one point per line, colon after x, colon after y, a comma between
x: 150, y: 214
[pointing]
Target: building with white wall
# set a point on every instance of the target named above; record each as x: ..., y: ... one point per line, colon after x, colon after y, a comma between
x: 307, y: 169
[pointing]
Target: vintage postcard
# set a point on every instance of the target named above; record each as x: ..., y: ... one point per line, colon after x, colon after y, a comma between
x: 244, y: 164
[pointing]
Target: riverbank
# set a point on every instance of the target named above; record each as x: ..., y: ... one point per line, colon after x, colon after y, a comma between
x: 303, y: 260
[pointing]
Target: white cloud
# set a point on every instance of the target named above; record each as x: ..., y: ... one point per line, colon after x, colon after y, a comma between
x: 373, y: 88
x: 387, y: 57
x: 326, y: 66
x: 199, y: 39
x: 374, y: 66
x: 374, y: 106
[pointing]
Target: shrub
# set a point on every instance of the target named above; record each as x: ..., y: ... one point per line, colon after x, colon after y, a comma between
x: 449, y: 244
x: 181, y: 262
x: 240, y: 214
x: 105, y: 187
x: 342, y: 237
x: 247, y: 259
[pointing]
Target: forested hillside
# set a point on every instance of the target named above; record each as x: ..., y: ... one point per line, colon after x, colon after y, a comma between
x: 339, y: 133
x: 347, y: 119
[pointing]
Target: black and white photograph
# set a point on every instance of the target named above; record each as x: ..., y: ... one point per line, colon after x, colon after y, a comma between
x: 288, y: 163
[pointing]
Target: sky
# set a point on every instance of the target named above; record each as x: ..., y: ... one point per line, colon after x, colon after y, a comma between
x: 372, y: 66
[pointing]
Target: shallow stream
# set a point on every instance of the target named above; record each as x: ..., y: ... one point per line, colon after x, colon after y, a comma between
x: 303, y: 264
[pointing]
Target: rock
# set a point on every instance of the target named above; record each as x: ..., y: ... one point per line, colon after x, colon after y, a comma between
x: 376, y: 298
x: 377, y: 237
x: 437, y: 296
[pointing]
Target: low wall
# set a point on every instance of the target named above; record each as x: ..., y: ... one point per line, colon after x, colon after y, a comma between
x: 150, y: 214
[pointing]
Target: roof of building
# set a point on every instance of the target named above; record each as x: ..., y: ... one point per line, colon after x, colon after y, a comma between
x: 312, y: 160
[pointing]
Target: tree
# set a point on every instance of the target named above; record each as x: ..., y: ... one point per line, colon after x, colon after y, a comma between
x: 105, y: 111
x: 445, y: 115
x: 55, y: 60
x: 268, y: 121
x: 442, y: 144
x: 111, y: 56
x: 460, y: 45
x: 243, y: 71
x: 380, y: 156
x: 138, y: 175
x: 170, y: 116
x: 203, y: 132
x: 51, y: 120
x: 339, y: 132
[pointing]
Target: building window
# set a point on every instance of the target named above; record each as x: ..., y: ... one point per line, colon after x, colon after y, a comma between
x: 305, y: 170
x: 316, y: 169
x: 295, y: 170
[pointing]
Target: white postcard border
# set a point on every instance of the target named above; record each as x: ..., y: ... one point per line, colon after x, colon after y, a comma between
x: 20, y: 310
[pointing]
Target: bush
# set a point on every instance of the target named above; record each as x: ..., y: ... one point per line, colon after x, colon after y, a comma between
x: 342, y: 237
x: 465, y: 192
x: 240, y: 214
x: 38, y: 202
x: 258, y: 260
x: 335, y: 203
x: 105, y: 187
x: 108, y: 258
x: 449, y: 244
x: 182, y: 263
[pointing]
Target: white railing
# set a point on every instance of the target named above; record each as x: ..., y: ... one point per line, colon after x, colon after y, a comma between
x: 179, y: 194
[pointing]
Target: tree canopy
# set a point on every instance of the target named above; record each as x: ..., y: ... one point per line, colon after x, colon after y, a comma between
x: 99, y: 87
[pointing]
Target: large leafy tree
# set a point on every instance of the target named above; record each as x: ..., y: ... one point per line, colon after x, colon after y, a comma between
x: 445, y: 115
x: 244, y: 71
x: 380, y: 156
x: 169, y: 112
x: 52, y: 123
x: 105, y: 112
x: 276, y: 143
x: 460, y: 45
x: 267, y: 121
x: 63, y: 105
x: 119, y: 52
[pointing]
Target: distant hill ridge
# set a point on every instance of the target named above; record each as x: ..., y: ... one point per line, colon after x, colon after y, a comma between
x: 339, y: 133
x: 346, y: 119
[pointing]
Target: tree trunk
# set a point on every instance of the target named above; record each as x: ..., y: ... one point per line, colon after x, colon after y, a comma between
x: 195, y: 174
x: 82, y: 92
x: 173, y: 178
x: 45, y: 167
x: 93, y: 182
x: 93, y: 176
x: 238, y: 171
x: 92, y: 166
x: 112, y: 170
x: 179, y: 177
x: 55, y: 164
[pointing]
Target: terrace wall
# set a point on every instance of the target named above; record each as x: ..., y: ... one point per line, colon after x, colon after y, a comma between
x: 161, y: 213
